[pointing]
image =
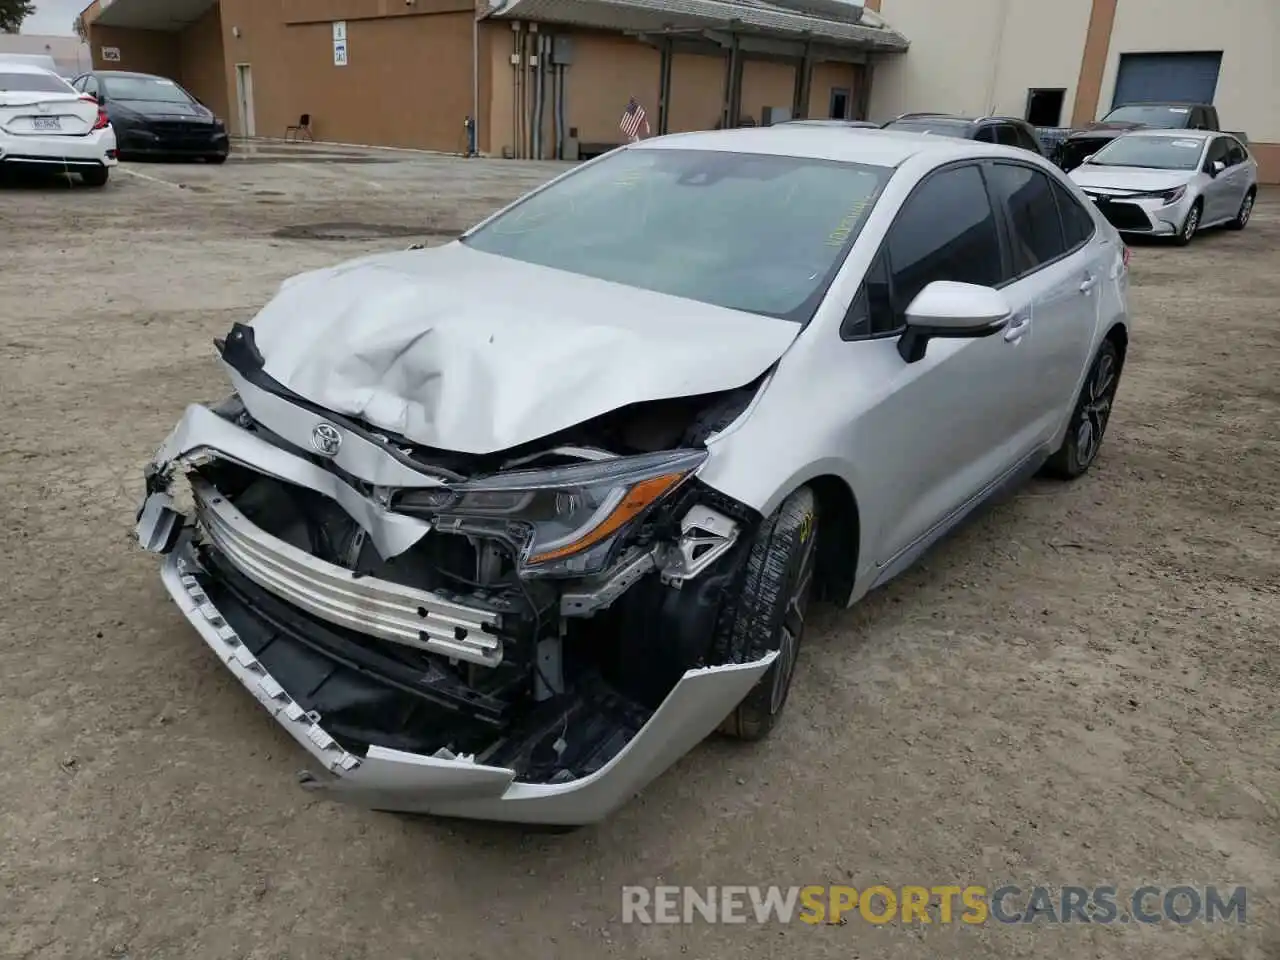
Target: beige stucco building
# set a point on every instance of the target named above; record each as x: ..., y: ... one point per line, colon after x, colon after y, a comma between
x: 550, y: 78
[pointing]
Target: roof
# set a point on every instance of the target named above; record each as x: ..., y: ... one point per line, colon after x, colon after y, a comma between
x: 766, y: 17
x: 880, y: 148
x: 18, y: 66
x: 1172, y: 134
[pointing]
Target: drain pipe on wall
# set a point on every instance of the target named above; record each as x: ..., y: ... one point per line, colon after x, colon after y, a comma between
x: 474, y: 143
x: 517, y: 57
x: 536, y: 152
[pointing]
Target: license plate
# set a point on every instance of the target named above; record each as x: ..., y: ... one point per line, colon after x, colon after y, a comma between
x: 46, y: 123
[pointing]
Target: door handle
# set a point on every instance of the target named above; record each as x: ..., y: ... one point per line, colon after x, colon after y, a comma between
x: 1017, y: 329
x: 1088, y: 283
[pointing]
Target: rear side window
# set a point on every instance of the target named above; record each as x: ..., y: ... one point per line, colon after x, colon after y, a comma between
x: 33, y: 83
x: 1077, y: 222
x: 1007, y: 136
x: 945, y: 231
x: 1036, y: 230
x: 985, y: 135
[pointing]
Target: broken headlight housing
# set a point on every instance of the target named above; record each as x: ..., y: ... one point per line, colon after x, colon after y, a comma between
x: 565, y: 520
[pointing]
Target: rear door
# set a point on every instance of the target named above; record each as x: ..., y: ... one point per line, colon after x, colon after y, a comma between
x: 42, y: 105
x: 1239, y: 174
x: 1056, y: 279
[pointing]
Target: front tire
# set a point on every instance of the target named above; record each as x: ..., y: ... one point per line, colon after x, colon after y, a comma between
x: 1245, y: 212
x: 216, y: 158
x: 767, y: 612
x: 95, y: 176
x: 1089, y: 418
x: 1191, y: 225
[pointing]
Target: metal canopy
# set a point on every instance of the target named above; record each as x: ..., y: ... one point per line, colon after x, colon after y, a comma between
x: 166, y: 15
x: 740, y: 17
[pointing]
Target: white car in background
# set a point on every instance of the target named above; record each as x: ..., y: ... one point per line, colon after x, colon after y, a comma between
x: 1171, y: 183
x: 46, y: 124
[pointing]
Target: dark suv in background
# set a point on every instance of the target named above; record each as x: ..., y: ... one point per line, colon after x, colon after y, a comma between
x: 1009, y: 131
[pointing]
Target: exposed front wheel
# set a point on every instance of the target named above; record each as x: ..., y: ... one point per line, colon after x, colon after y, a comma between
x: 767, y: 611
x: 1089, y: 418
x: 1190, y: 225
x: 1244, y: 213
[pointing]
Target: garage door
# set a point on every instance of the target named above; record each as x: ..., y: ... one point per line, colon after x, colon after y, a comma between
x: 1189, y: 77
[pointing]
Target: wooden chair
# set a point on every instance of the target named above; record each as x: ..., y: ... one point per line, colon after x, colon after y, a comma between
x: 295, y: 131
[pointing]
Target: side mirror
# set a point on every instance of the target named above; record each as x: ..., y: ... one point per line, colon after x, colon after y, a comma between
x: 1216, y: 168
x: 949, y: 309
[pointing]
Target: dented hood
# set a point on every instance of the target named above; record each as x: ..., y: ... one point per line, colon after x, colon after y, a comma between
x: 467, y: 351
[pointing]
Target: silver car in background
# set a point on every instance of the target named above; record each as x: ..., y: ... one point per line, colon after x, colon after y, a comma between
x: 502, y: 528
x: 1172, y: 183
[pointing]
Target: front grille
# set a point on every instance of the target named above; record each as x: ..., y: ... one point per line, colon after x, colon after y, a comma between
x: 182, y: 133
x: 368, y: 605
x: 1124, y: 216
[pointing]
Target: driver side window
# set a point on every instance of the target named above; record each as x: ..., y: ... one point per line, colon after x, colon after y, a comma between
x: 1217, y: 152
x: 946, y: 230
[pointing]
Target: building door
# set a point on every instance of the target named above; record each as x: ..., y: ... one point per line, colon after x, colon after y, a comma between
x: 838, y: 107
x: 1165, y: 77
x: 244, y: 98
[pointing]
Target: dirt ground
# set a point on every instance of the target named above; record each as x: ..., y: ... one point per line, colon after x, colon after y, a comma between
x: 1080, y: 687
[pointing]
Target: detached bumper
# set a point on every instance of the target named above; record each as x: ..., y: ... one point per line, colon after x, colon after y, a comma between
x: 389, y: 779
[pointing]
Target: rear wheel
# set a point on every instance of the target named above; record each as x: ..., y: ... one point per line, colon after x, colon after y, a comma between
x: 95, y: 176
x: 1089, y: 418
x: 1245, y: 212
x: 1190, y: 225
x: 768, y: 610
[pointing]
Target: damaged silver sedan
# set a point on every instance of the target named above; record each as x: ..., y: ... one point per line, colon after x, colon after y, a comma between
x: 503, y: 528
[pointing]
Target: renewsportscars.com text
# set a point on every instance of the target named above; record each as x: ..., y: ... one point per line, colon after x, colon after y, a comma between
x: 942, y: 904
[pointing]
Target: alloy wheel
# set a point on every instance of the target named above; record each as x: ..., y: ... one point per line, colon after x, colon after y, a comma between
x: 792, y: 627
x: 1096, y: 409
x: 1192, y: 225
x: 1246, y: 210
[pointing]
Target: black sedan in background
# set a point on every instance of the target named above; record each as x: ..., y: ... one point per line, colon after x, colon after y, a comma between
x: 155, y: 117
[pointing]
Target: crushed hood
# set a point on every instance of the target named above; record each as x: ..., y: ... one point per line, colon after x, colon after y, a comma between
x: 470, y: 352
x: 1129, y: 179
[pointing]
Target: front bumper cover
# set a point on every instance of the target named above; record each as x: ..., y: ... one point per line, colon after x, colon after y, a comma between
x: 389, y: 779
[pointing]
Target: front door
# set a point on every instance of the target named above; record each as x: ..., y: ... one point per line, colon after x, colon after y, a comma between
x: 954, y: 422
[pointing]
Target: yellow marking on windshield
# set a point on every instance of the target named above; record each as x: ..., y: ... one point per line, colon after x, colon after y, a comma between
x: 840, y: 234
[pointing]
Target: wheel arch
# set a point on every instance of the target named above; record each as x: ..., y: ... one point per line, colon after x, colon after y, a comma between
x: 839, y: 526
x: 1118, y: 334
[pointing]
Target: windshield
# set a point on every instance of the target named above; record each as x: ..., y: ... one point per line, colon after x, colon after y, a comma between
x: 1170, y: 118
x: 33, y: 83
x: 750, y: 232
x: 1158, y: 153
x: 935, y: 125
x: 144, y: 88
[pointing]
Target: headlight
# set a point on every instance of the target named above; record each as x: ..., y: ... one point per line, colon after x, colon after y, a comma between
x: 566, y: 519
x: 1172, y: 196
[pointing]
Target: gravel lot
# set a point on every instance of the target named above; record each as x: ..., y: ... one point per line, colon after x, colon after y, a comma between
x: 1080, y: 687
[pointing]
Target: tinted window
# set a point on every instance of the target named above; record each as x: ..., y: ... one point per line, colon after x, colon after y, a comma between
x: 153, y: 89
x: 1033, y: 215
x: 1217, y: 151
x: 1027, y: 140
x: 1235, y: 152
x: 1152, y: 115
x: 872, y: 311
x: 34, y: 83
x: 945, y: 231
x: 941, y: 126
x: 985, y: 135
x: 1007, y: 135
x: 750, y: 232
x: 1077, y: 222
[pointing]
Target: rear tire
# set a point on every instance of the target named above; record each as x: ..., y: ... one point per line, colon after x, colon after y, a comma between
x: 1245, y: 212
x: 95, y: 176
x: 1089, y: 417
x: 767, y: 612
x: 1191, y: 225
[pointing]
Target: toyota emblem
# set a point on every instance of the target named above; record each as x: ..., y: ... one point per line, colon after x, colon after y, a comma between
x: 326, y: 439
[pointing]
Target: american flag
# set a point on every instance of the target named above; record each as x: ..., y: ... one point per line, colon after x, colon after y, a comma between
x: 633, y: 119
